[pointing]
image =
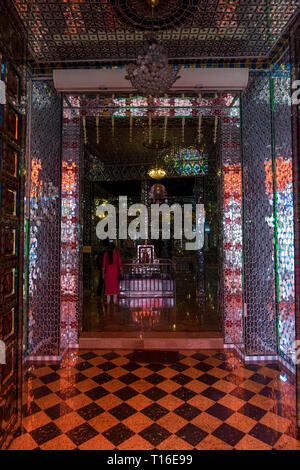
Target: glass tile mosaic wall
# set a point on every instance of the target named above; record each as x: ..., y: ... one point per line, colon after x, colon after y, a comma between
x: 284, y: 212
x: 268, y: 216
x: 257, y: 228
x: 44, y: 221
x: 295, y: 75
x: 259, y: 265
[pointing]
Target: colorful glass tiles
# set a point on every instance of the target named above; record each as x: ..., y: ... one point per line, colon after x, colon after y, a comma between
x: 189, y: 162
x: 232, y: 231
x: 137, y: 106
x: 69, y: 262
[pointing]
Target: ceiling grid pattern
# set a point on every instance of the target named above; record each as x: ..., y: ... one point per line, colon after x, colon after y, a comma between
x: 75, y: 30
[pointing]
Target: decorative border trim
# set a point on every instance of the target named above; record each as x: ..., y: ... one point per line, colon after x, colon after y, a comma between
x: 51, y: 358
x: 253, y: 64
x: 43, y: 358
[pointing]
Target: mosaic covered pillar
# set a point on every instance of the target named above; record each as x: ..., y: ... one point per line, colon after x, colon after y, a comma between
x: 198, y: 192
x: 87, y: 203
x: 258, y: 187
x: 70, y: 228
x: 43, y: 196
x: 232, y: 288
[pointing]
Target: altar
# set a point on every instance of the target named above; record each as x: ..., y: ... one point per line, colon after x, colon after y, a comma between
x: 148, y: 276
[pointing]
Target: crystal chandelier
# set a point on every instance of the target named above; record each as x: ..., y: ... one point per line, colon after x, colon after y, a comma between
x: 157, y: 173
x: 152, y: 76
x: 158, y: 190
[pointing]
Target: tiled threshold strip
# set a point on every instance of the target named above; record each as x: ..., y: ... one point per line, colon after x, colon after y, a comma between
x: 259, y: 358
x: 46, y: 358
x: 246, y: 358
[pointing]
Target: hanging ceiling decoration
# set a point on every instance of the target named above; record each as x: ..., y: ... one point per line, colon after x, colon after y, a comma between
x: 152, y: 75
x: 157, y: 136
x: 188, y: 161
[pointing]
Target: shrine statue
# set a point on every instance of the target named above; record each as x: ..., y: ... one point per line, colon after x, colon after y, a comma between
x: 145, y: 257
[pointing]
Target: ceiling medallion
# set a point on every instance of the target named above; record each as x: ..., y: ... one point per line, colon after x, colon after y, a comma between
x: 152, y: 75
x: 169, y: 14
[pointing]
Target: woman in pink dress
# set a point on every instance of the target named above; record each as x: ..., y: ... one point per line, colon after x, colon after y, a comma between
x: 112, y: 266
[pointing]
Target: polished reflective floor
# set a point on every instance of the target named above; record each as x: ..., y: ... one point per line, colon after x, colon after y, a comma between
x: 191, y: 309
x: 207, y: 400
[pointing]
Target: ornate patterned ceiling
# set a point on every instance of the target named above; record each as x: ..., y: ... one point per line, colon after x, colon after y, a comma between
x: 75, y: 30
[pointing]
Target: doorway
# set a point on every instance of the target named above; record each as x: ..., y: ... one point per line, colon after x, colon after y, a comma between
x: 189, y: 121
x: 192, y: 304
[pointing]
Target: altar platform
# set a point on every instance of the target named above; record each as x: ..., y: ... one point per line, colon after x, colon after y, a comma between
x: 155, y: 279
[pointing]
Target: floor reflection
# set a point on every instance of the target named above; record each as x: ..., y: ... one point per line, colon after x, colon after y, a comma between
x: 191, y: 309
